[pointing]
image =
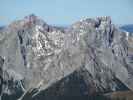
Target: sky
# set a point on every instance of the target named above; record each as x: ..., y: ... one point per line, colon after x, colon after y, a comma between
x: 66, y: 12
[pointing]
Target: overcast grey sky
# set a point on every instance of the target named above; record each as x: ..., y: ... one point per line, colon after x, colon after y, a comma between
x: 65, y: 12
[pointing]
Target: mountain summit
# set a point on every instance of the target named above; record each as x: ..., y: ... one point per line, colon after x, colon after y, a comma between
x: 89, y: 57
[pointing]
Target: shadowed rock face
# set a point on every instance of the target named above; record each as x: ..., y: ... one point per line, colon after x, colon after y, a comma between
x: 76, y: 87
x: 91, y: 55
x: 1, y: 74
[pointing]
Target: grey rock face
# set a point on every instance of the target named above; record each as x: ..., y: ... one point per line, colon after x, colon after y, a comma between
x: 1, y: 75
x: 40, y: 55
x: 10, y: 83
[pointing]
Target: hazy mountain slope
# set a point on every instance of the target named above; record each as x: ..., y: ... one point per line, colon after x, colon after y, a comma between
x: 128, y: 28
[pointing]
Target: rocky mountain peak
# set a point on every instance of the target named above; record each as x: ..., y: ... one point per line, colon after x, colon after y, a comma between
x: 92, y: 53
x: 94, y: 22
x: 31, y: 17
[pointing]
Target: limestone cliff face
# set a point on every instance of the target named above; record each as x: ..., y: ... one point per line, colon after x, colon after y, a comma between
x: 93, y: 52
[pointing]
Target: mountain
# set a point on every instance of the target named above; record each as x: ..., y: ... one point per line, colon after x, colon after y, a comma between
x: 128, y: 28
x: 83, y: 61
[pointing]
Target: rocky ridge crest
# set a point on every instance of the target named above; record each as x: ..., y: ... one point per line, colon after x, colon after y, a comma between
x: 93, y: 52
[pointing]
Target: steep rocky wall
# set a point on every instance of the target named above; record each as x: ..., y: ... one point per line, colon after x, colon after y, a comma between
x: 38, y: 55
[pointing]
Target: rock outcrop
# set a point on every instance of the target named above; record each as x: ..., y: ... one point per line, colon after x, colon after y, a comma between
x: 88, y: 57
x: 1, y: 75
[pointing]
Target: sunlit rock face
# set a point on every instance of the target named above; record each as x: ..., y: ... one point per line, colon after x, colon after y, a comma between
x: 40, y: 55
